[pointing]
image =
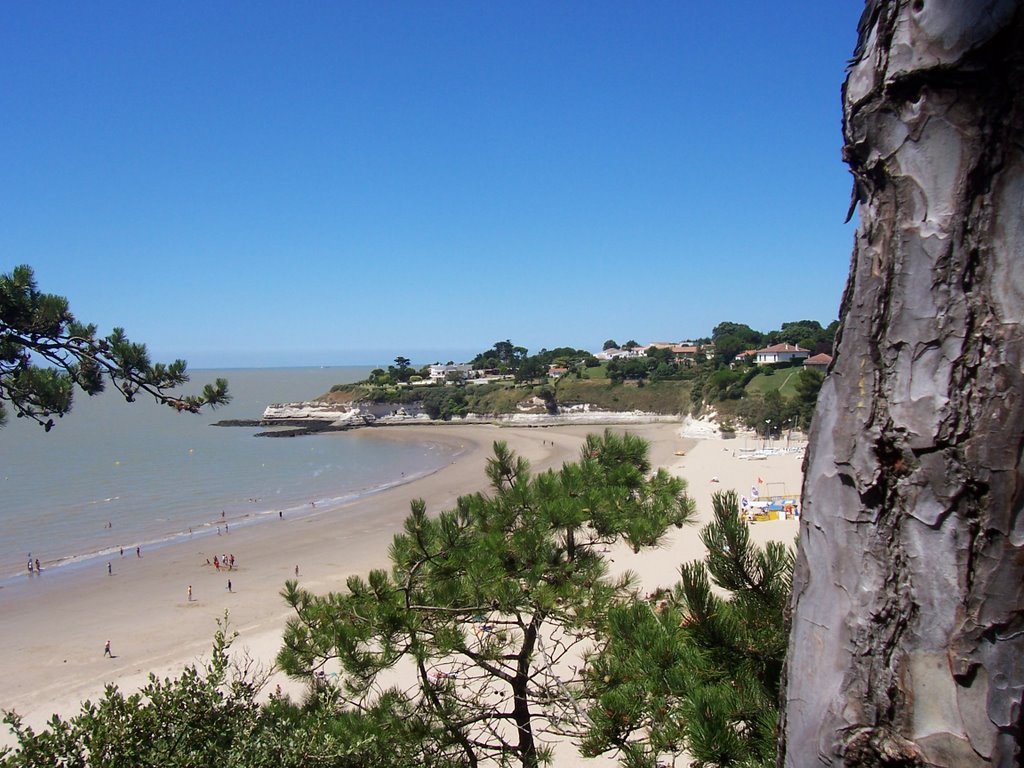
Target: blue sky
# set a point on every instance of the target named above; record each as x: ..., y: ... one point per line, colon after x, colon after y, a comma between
x: 343, y: 182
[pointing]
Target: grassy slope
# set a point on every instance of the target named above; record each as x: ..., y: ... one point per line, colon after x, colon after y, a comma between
x: 783, y: 380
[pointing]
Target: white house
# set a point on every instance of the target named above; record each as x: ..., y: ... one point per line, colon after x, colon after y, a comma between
x: 780, y: 353
x: 440, y: 372
x: 612, y: 354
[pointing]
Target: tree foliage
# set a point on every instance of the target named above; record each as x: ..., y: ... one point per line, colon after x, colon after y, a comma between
x: 401, y: 371
x: 732, y: 338
x: 504, y: 355
x: 808, y: 384
x: 209, y: 715
x: 489, y: 604
x: 215, y: 715
x: 531, y: 369
x: 698, y: 672
x: 740, y: 330
x: 442, y: 402
x: 45, y: 354
x: 808, y: 334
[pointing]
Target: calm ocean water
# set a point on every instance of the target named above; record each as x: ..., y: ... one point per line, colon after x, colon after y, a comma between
x: 113, y: 475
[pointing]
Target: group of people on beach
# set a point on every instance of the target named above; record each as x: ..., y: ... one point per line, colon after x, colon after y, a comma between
x: 33, y: 565
x: 228, y: 561
x: 225, y: 561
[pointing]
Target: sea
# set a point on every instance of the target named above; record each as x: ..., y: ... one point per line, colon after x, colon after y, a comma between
x: 112, y: 474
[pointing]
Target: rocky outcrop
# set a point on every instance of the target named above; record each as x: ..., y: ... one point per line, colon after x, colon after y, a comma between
x: 703, y: 428
x: 309, y: 417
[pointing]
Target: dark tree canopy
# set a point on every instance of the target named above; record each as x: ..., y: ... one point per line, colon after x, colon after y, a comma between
x: 217, y: 713
x: 46, y: 353
x: 504, y: 354
x: 741, y: 331
x: 805, y: 333
x: 697, y: 668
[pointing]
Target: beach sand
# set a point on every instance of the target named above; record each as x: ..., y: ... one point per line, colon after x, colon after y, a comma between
x: 55, y: 625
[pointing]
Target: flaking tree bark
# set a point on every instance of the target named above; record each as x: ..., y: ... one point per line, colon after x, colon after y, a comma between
x: 907, y: 626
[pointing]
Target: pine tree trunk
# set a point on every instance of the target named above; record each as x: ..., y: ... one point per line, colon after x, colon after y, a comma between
x: 907, y: 636
x: 522, y: 717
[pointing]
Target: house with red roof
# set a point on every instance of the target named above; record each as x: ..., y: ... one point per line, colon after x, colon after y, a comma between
x: 819, y: 362
x: 680, y: 352
x: 780, y: 353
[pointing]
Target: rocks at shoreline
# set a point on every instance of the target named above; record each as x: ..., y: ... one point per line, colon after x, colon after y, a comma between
x: 295, y: 419
x: 298, y: 419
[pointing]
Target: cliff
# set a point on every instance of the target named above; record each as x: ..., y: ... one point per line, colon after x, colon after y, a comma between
x: 309, y: 417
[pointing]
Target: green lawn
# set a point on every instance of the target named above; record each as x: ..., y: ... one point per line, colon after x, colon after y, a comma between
x: 783, y: 380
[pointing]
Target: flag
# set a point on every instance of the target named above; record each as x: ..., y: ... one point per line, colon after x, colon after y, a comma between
x: 760, y: 481
x: 754, y: 492
x: 744, y: 502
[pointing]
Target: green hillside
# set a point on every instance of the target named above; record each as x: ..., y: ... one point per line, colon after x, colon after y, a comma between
x: 771, y: 380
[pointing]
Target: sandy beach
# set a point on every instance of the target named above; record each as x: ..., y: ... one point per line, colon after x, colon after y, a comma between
x: 54, y: 629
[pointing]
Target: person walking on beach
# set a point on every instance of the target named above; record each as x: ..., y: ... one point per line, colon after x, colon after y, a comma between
x: 106, y: 650
x: 110, y: 569
x: 138, y: 551
x: 229, y: 585
x: 39, y: 568
x: 190, y: 593
x: 296, y: 571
